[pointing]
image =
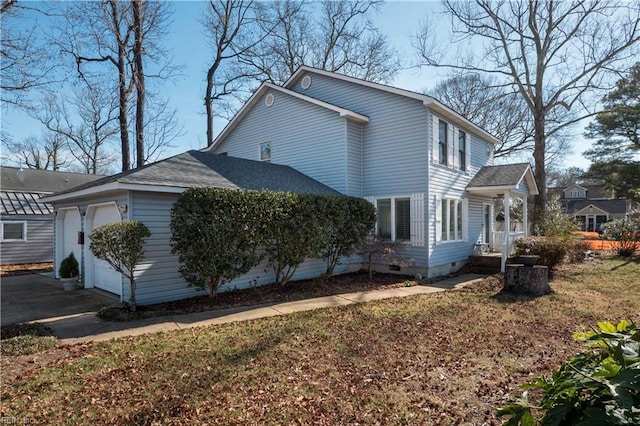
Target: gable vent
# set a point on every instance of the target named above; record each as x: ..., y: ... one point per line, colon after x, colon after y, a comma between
x: 306, y: 82
x: 269, y: 99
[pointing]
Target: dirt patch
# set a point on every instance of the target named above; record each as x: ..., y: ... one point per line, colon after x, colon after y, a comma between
x: 25, y: 269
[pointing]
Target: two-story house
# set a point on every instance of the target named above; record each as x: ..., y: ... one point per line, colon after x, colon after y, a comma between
x: 428, y: 171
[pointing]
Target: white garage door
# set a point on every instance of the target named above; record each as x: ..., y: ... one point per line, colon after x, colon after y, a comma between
x: 104, y: 277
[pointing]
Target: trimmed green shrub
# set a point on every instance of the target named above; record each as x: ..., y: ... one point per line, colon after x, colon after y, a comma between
x: 552, y: 251
x: 69, y: 267
x: 345, y: 223
x: 293, y: 231
x: 216, y: 233
x: 600, y: 386
x: 120, y: 244
x: 220, y: 234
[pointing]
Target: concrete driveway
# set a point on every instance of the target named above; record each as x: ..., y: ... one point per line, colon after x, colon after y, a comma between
x: 35, y: 297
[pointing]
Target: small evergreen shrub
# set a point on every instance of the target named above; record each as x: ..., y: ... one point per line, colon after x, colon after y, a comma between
x: 69, y: 267
x: 600, y: 386
x: 121, y: 245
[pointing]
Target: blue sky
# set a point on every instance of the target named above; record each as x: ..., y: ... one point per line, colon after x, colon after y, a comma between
x: 397, y: 19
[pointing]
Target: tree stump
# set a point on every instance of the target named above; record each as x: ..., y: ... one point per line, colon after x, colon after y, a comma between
x: 519, y: 279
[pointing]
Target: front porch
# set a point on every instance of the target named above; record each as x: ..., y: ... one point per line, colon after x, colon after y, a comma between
x: 505, y: 183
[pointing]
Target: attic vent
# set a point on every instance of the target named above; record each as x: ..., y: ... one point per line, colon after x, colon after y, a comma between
x: 269, y: 99
x: 306, y: 82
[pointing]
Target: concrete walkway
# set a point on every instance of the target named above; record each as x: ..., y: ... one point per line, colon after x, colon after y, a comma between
x: 87, y: 326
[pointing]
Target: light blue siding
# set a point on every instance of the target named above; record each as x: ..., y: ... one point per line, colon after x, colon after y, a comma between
x: 394, y: 140
x: 448, y: 182
x: 158, y: 277
x: 354, y: 167
x: 307, y: 137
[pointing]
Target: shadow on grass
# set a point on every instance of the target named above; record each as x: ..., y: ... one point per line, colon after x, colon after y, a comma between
x: 508, y: 297
x: 627, y: 261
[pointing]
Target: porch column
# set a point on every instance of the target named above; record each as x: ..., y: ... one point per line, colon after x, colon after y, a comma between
x: 525, y: 218
x: 507, y: 231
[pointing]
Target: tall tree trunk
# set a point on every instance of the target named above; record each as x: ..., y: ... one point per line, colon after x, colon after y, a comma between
x: 123, y: 92
x: 539, y: 201
x: 208, y: 102
x: 139, y: 80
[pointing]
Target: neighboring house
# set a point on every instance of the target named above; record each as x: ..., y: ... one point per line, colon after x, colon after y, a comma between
x: 26, y: 232
x: 591, y: 205
x: 428, y: 171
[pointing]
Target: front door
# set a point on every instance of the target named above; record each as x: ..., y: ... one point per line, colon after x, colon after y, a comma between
x: 486, y: 223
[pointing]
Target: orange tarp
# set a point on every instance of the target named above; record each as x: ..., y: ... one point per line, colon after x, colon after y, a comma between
x: 595, y: 242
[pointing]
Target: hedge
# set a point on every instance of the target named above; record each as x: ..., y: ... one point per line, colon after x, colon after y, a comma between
x: 220, y: 234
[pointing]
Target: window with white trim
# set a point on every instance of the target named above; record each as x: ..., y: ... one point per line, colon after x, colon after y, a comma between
x: 451, y: 146
x: 462, y: 150
x: 400, y: 218
x: 451, y: 219
x: 394, y: 218
x: 14, y: 231
x: 442, y: 142
x: 265, y: 151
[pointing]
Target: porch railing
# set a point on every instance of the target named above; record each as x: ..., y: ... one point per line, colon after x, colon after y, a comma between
x: 498, y: 240
x: 508, y: 246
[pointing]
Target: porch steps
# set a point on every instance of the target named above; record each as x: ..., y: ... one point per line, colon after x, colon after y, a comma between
x: 487, y: 264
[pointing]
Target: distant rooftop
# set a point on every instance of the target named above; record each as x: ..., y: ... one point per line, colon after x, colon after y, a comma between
x: 40, y: 181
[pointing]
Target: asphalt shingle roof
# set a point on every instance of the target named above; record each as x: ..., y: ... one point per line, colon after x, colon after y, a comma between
x: 40, y: 181
x: 501, y: 175
x: 618, y: 206
x: 203, y: 169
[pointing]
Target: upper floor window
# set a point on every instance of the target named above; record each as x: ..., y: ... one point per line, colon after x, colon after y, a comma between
x: 265, y: 151
x: 462, y: 150
x: 575, y: 193
x: 442, y: 142
x: 14, y: 231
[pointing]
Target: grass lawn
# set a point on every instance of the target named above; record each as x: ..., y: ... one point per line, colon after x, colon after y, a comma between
x: 446, y: 358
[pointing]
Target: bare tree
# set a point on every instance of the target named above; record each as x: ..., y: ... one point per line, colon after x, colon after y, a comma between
x: 254, y: 42
x: 161, y: 128
x: 87, y: 130
x: 137, y: 73
x: 336, y: 36
x: 558, y: 56
x: 44, y: 153
x: 26, y: 63
x: 233, y: 29
x: 501, y: 112
x: 117, y: 37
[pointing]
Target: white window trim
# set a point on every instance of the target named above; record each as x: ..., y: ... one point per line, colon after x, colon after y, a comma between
x: 439, y: 219
x: 24, y: 230
x: 260, y: 151
x: 452, y: 147
x: 416, y: 219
